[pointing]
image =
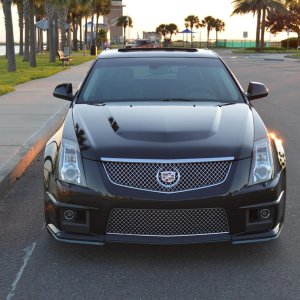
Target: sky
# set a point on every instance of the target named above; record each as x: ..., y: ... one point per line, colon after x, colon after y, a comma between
x: 148, y: 14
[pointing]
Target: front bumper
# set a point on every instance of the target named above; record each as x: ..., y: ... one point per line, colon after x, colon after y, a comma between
x: 100, y: 240
x: 240, y: 207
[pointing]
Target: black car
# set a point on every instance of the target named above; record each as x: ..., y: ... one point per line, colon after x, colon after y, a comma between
x: 163, y: 146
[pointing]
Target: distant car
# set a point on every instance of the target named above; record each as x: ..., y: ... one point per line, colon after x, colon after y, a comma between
x: 163, y: 146
x: 143, y: 43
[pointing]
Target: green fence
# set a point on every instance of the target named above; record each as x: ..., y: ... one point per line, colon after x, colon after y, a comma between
x: 223, y: 44
x: 238, y: 44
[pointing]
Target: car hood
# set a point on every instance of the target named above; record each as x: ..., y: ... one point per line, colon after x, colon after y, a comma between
x: 164, y: 130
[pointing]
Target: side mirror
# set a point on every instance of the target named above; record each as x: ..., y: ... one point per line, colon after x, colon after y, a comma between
x: 64, y: 91
x: 257, y: 90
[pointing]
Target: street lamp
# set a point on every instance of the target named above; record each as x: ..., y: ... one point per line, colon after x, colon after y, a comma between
x: 288, y: 41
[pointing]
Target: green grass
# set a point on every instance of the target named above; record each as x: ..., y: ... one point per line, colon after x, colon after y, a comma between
x: 266, y: 50
x: 295, y: 55
x: 24, y: 73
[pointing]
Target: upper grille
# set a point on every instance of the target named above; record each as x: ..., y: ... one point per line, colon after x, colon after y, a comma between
x: 167, y: 222
x: 147, y: 175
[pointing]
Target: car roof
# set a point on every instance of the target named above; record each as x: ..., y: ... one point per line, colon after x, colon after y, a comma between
x: 158, y: 52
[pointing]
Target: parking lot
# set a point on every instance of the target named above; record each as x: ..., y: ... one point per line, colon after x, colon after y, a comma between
x: 33, y: 266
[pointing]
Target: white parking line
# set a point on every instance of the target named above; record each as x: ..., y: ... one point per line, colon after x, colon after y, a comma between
x: 29, y: 251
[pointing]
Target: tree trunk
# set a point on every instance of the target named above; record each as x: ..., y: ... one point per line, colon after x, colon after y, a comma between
x: 97, y: 27
x: 191, y: 36
x: 80, y: 33
x: 51, y: 40
x: 124, y: 35
x: 56, y: 32
x: 62, y: 16
x: 207, y: 36
x: 258, y: 28
x: 21, y: 26
x: 216, y: 37
x: 75, y: 30
x: 10, y: 45
x: 47, y: 41
x: 26, y: 18
x: 32, y: 36
x: 41, y: 41
x: 85, y: 31
x: 73, y: 40
x: 49, y: 7
x: 263, y: 28
x: 92, y: 30
x: 26, y: 46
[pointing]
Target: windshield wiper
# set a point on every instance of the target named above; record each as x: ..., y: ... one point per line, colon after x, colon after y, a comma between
x: 178, y: 99
x: 97, y: 103
x: 226, y: 104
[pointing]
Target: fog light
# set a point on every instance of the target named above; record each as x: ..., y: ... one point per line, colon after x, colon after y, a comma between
x: 69, y: 215
x: 264, y: 213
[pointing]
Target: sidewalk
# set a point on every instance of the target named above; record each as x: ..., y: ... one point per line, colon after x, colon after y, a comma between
x: 29, y: 116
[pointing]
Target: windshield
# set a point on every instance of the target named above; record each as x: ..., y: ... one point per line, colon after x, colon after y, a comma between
x: 159, y: 79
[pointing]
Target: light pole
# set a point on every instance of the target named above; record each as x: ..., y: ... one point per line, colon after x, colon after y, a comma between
x: 288, y: 41
x: 200, y: 39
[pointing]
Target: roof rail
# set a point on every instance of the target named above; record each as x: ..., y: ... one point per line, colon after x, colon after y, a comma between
x: 157, y: 49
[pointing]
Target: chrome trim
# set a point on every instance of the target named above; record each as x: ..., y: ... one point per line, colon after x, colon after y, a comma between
x: 166, y: 185
x: 166, y: 161
x: 160, y: 192
x: 265, y: 203
x: 167, y: 236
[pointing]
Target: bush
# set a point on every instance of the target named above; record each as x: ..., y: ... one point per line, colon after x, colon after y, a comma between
x: 293, y: 43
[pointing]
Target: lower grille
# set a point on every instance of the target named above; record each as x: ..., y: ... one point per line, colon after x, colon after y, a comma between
x: 176, y: 222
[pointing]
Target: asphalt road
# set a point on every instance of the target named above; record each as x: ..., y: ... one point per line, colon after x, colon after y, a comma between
x: 33, y: 266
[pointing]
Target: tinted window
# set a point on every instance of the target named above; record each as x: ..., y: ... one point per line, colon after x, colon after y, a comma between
x: 123, y: 79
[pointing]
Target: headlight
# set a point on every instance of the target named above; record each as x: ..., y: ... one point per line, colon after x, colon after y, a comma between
x: 70, y: 167
x: 262, y: 163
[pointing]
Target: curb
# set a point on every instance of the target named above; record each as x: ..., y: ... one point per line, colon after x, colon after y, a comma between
x: 14, y: 168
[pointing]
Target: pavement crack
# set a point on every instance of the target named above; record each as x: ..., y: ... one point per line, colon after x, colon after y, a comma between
x: 28, y: 252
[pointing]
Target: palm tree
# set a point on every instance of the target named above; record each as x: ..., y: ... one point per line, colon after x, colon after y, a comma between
x: 26, y: 9
x: 219, y: 26
x: 62, y: 12
x: 10, y: 47
x: 172, y: 29
x: 82, y: 13
x: 259, y: 8
x: 209, y: 22
x: 268, y: 7
x: 192, y: 21
x: 73, y: 17
x: 19, y: 4
x: 32, y: 35
x: 249, y: 6
x: 39, y: 15
x: 100, y: 8
x: 124, y: 21
x: 163, y: 30
x: 50, y: 7
x: 277, y: 22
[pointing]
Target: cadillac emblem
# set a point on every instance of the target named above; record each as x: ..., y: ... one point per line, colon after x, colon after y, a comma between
x: 168, y: 177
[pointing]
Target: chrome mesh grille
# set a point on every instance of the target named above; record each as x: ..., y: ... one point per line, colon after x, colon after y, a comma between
x: 176, y: 222
x: 144, y: 175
